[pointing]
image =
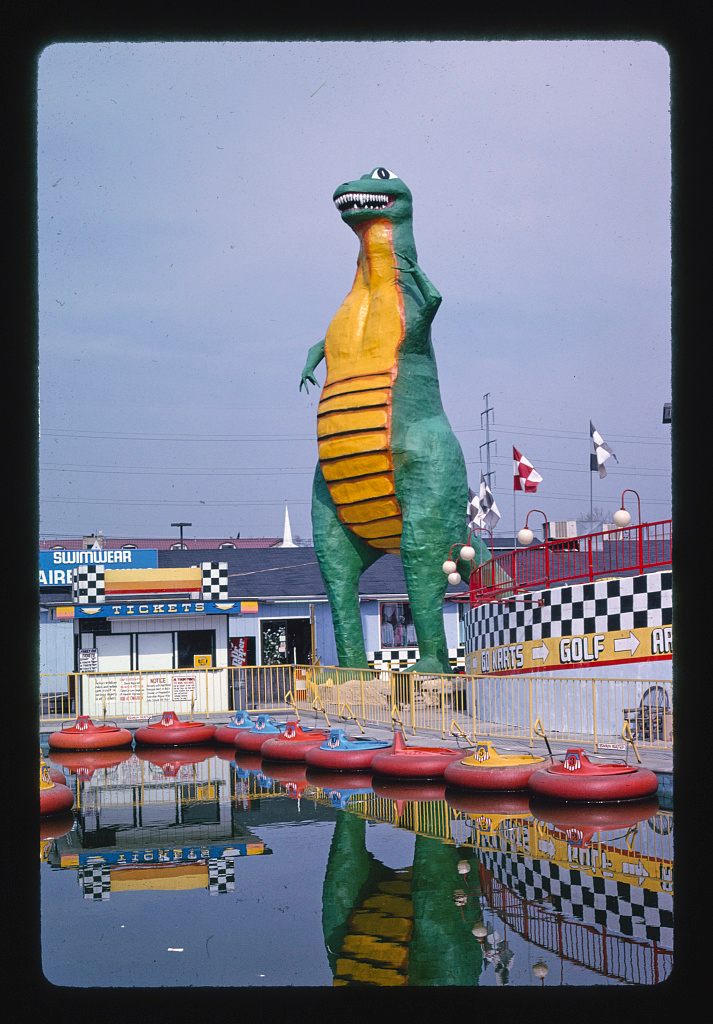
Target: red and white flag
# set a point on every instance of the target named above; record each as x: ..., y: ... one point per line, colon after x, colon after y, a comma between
x: 526, y: 477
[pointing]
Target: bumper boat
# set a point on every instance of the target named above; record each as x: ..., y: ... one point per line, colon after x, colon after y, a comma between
x: 266, y: 727
x: 340, y: 752
x: 227, y: 733
x: 55, y: 798
x: 171, y: 731
x: 578, y: 778
x: 412, y: 762
x: 292, y: 743
x: 84, y: 734
x: 486, y: 769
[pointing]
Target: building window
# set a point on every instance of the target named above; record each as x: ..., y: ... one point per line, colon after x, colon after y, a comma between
x: 128, y: 547
x: 222, y: 546
x: 58, y: 547
x: 179, y: 547
x: 397, y: 628
x: 192, y: 642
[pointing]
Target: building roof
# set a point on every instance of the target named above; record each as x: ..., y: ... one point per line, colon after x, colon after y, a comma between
x: 164, y: 543
x: 292, y: 573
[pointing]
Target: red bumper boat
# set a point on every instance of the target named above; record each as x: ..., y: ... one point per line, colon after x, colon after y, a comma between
x: 171, y: 731
x: 411, y: 762
x: 84, y: 734
x: 578, y: 778
x: 486, y: 769
x: 55, y: 798
x: 293, y: 743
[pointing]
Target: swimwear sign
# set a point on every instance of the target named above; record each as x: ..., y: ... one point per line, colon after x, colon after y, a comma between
x: 647, y: 643
x: 57, y: 567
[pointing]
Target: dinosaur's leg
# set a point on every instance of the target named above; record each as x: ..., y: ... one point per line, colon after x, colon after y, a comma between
x: 432, y: 490
x: 342, y: 558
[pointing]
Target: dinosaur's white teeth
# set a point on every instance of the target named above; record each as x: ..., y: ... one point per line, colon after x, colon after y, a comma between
x: 372, y: 200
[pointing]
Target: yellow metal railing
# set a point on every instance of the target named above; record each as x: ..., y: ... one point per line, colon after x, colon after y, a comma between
x: 596, y: 711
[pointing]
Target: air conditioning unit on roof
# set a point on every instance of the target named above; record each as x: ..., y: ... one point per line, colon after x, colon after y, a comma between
x: 562, y: 529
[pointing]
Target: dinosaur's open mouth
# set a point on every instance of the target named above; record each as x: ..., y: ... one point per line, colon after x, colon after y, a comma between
x: 362, y: 201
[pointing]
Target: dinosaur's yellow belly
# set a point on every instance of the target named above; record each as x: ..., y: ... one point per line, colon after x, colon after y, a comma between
x: 354, y: 416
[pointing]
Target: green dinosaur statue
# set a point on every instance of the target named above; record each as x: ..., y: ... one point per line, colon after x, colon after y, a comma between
x: 391, y: 475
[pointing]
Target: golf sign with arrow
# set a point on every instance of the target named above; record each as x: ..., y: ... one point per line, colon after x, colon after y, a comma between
x: 645, y: 643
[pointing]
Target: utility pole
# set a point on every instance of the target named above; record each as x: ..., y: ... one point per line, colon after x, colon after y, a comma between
x: 487, y: 444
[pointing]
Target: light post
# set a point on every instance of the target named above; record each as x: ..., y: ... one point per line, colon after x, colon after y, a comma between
x: 526, y: 537
x: 180, y: 527
x: 622, y: 517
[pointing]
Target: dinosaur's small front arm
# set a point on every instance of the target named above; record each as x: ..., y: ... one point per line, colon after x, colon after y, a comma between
x: 432, y: 298
x: 314, y: 358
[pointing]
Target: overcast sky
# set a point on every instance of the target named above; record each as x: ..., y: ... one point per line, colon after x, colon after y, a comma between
x: 190, y: 254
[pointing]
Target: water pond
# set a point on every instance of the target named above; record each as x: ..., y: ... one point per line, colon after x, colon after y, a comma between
x: 197, y: 867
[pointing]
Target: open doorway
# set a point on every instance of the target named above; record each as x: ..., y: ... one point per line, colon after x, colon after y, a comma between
x: 285, y: 642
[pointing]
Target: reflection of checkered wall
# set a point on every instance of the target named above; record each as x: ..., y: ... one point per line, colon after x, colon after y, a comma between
x: 221, y: 875
x: 95, y: 881
x: 214, y: 577
x: 88, y: 584
x: 629, y: 910
x: 600, y: 607
x: 398, y: 659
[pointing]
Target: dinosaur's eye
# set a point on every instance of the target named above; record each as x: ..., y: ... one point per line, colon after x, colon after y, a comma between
x: 383, y: 173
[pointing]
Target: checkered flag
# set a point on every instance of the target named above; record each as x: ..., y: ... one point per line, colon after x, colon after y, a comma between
x: 483, y: 513
x: 602, y: 451
x: 88, y: 583
x: 526, y: 477
x: 214, y: 581
x: 221, y: 875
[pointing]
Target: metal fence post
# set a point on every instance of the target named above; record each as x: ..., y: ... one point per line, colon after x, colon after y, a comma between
x: 594, y: 714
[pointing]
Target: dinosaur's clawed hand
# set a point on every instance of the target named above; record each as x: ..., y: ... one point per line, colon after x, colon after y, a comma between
x: 307, y: 376
x: 403, y: 256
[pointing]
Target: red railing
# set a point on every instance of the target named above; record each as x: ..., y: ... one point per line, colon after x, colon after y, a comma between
x: 588, y: 557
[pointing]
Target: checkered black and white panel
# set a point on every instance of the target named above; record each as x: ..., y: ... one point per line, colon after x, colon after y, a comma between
x: 214, y: 585
x: 88, y: 584
x: 221, y: 875
x: 630, y: 910
x: 600, y: 607
x: 399, y: 659
x: 95, y: 881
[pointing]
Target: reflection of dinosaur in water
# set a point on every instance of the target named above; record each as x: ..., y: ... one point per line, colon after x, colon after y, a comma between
x: 385, y: 926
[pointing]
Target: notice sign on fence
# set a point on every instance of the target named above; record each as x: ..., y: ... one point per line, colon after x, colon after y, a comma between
x: 88, y: 659
x: 184, y: 686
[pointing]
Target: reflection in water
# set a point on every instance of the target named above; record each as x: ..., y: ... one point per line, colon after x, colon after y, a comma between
x: 498, y: 889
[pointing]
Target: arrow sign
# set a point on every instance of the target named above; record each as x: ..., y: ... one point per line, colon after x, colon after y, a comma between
x: 540, y: 653
x: 626, y: 643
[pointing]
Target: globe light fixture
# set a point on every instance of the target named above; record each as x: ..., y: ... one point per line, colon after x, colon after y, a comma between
x: 454, y: 578
x: 463, y: 867
x: 540, y: 970
x: 622, y: 518
x: 449, y: 566
x: 467, y: 553
x: 480, y: 931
